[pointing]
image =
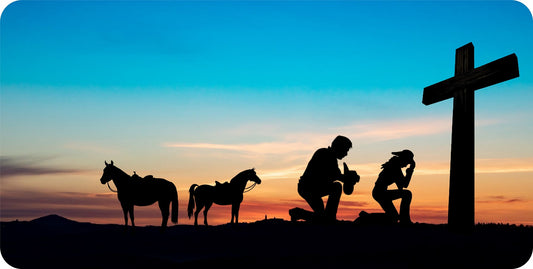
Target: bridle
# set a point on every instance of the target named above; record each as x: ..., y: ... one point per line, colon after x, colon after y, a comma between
x: 110, y: 187
x: 249, y: 188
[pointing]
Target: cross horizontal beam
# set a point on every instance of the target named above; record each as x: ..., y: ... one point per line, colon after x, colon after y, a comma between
x: 492, y: 73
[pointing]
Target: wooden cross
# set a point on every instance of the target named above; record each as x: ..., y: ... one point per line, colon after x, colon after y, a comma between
x: 461, y: 87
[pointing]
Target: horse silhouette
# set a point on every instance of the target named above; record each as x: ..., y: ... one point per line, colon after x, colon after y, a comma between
x: 223, y: 194
x: 142, y: 192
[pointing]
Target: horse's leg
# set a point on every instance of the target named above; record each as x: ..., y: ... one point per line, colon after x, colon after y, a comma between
x: 199, y: 206
x: 125, y: 211
x: 207, y: 206
x: 232, y: 213
x: 131, y: 216
x: 235, y: 212
x: 164, y: 207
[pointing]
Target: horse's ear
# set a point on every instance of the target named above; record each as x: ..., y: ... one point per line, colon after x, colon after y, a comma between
x: 111, y: 162
x: 106, y: 163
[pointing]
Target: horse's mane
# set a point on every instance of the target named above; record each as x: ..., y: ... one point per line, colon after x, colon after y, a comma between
x: 240, y: 175
x: 123, y: 174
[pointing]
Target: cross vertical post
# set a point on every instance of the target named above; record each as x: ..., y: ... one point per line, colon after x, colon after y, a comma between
x: 461, y: 196
x: 461, y: 88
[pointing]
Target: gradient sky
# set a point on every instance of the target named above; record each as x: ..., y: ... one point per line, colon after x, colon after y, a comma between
x: 198, y: 91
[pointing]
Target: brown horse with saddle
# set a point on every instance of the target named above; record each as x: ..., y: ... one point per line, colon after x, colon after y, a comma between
x: 228, y: 193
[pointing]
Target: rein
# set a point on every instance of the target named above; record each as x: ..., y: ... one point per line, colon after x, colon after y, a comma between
x: 251, y: 187
x: 110, y: 187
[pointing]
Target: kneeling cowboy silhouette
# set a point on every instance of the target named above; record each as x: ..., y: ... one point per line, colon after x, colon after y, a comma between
x: 392, y: 173
x: 321, y: 178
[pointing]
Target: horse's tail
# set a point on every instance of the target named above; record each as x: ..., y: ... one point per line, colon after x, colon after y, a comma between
x: 174, y: 216
x: 190, y: 208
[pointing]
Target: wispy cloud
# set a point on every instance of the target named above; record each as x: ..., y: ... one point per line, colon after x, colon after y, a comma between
x: 482, y: 166
x: 403, y: 128
x: 289, y: 142
x: 397, y: 129
x: 501, y: 199
x: 504, y: 165
x: 288, y: 172
x: 93, y: 207
x: 263, y: 148
x: 91, y: 148
x: 17, y: 166
x: 299, y: 145
x: 423, y: 168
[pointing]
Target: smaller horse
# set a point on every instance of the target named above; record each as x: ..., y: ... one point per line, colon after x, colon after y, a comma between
x: 223, y: 194
x: 142, y: 192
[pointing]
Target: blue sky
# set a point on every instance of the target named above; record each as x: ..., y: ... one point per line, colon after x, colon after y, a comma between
x: 251, y: 44
x: 170, y: 86
x: 359, y: 55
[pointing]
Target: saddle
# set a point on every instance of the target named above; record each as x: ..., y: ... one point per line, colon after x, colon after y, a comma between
x: 224, y: 192
x: 135, y: 176
x: 222, y: 187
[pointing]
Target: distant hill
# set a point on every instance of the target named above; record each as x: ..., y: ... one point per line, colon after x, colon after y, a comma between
x: 56, y: 242
x: 53, y: 220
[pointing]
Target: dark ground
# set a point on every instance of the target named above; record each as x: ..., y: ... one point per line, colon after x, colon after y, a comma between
x: 56, y: 242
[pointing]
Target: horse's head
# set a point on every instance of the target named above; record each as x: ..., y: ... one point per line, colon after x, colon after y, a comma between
x: 243, y: 177
x: 107, y: 175
x: 252, y: 176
